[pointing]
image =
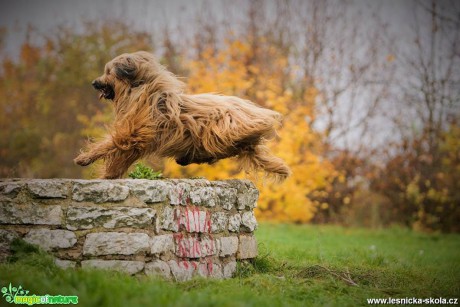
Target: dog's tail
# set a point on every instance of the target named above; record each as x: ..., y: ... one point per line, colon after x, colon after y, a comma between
x: 259, y: 158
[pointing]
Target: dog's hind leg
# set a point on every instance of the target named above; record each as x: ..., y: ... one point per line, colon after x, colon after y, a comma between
x: 118, y: 162
x: 259, y: 158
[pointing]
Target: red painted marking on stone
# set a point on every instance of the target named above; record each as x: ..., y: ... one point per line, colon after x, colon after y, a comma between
x: 196, y: 217
x: 197, y: 247
x: 181, y: 250
x: 187, y: 249
x: 210, y: 265
x: 190, y: 218
x: 206, y: 246
x: 187, y: 219
x: 194, y: 265
x: 185, y: 264
x: 208, y: 222
x: 212, y: 244
x: 178, y: 236
x: 196, y: 250
x: 200, y: 225
x: 191, y: 246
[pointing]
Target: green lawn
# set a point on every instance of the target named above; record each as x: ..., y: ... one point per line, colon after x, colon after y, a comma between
x: 298, y: 265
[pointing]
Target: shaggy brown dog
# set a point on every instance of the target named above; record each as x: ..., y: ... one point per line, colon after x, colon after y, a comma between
x: 153, y: 116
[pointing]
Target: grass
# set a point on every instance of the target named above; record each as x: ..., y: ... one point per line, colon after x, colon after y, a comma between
x: 141, y: 171
x: 297, y: 265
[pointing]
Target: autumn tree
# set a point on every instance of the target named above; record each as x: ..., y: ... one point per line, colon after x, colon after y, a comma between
x: 350, y: 68
x: 421, y: 176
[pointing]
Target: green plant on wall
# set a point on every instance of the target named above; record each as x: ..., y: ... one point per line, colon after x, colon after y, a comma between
x: 141, y: 171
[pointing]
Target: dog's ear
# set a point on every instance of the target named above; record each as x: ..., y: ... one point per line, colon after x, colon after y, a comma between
x: 126, y: 70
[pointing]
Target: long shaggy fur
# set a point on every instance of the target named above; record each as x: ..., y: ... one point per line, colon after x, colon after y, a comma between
x: 153, y: 116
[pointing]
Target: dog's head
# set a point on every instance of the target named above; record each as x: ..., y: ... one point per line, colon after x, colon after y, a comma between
x: 127, y: 71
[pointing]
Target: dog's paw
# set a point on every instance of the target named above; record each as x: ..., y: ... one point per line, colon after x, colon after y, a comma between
x: 83, y: 160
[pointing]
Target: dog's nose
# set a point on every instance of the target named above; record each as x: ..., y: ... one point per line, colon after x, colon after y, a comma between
x: 96, y: 84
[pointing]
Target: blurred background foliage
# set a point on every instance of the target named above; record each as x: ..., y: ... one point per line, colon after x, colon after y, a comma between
x: 338, y: 74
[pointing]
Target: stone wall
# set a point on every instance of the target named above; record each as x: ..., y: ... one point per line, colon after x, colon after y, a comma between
x: 174, y: 228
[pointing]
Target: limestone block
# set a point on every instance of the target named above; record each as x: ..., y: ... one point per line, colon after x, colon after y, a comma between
x: 229, y: 269
x: 194, y: 247
x: 158, y: 268
x: 227, y: 197
x: 162, y: 244
x: 13, y: 213
x: 247, y: 194
x: 234, y: 222
x: 247, y: 247
x: 169, y: 219
x: 115, y: 243
x: 209, y: 247
x: 248, y: 221
x: 47, y: 188
x: 228, y: 246
x: 248, y: 199
x: 194, y: 220
x: 190, y: 219
x: 49, y: 239
x: 180, y: 194
x: 88, y: 217
x: 209, y: 269
x: 219, y: 221
x: 205, y: 196
x: 10, y: 189
x: 188, y: 247
x: 149, y: 191
x: 182, y: 270
x: 99, y: 191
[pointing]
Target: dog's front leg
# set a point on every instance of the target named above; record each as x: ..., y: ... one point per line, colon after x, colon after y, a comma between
x: 118, y: 162
x: 96, y: 151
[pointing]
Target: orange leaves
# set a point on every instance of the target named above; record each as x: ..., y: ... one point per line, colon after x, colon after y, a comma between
x: 29, y: 54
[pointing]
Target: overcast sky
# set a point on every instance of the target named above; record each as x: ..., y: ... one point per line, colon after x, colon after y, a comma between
x: 46, y: 15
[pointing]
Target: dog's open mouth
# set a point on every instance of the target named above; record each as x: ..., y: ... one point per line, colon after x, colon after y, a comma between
x: 107, y: 93
x: 106, y: 90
